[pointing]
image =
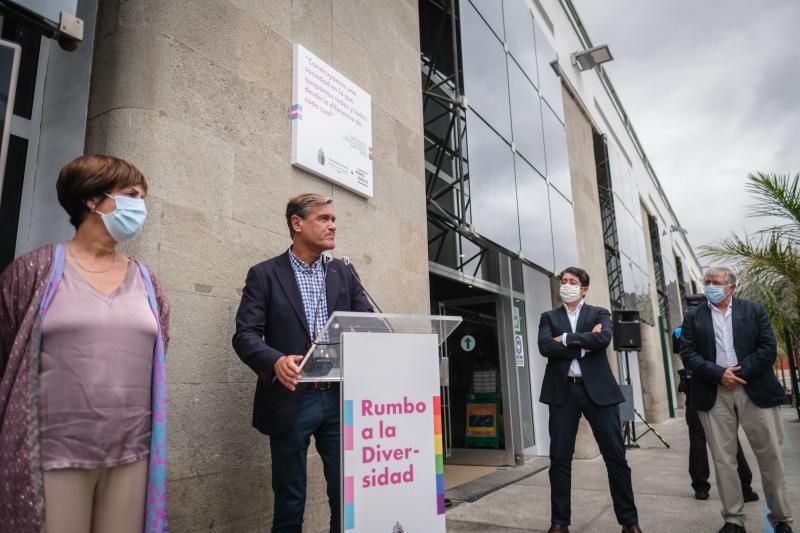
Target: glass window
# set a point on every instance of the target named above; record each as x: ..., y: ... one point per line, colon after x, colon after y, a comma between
x: 437, y: 118
x: 534, y: 216
x: 493, y: 192
x: 442, y: 244
x: 635, y: 241
x: 629, y: 284
x: 633, y: 196
x: 485, y: 75
x: 492, y: 12
x: 555, y: 145
x: 644, y: 298
x: 11, y: 198
x: 565, y: 243
x: 526, y: 118
x: 667, y: 258
x: 641, y: 245
x: 623, y: 227
x: 519, y: 35
x: 549, y: 83
x: 617, y: 183
x: 30, y: 40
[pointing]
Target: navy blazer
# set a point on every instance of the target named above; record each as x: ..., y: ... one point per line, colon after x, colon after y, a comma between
x: 756, y: 350
x: 271, y: 322
x: 598, y: 379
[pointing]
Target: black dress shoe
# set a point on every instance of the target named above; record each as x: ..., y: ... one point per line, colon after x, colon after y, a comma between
x: 732, y: 528
x: 631, y: 529
x: 750, y: 496
x: 701, y: 495
x: 558, y: 528
x: 782, y: 527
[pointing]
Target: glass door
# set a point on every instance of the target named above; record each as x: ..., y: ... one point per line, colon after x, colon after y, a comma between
x: 474, y: 392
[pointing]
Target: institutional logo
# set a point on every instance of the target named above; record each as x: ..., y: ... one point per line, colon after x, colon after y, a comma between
x: 398, y: 528
x: 321, y: 156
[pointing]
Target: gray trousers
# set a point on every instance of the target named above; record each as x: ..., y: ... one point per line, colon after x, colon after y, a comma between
x: 764, y: 431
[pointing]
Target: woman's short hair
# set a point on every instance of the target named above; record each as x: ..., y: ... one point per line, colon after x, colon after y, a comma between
x: 90, y: 176
x: 301, y: 206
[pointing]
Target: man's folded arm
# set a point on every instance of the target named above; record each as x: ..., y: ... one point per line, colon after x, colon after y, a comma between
x: 551, y: 348
x: 593, y: 342
x: 248, y: 341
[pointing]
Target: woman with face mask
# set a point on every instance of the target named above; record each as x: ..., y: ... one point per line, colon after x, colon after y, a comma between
x: 83, y: 336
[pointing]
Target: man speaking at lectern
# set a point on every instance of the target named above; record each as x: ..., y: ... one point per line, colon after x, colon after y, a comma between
x: 285, y: 303
x: 578, y: 381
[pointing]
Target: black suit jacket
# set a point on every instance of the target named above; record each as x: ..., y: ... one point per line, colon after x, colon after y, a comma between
x: 598, y: 379
x: 271, y: 322
x: 756, y: 350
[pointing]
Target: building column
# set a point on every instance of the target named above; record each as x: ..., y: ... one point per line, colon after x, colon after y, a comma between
x: 197, y: 95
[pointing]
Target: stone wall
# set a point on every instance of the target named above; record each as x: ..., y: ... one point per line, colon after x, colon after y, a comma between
x: 196, y: 94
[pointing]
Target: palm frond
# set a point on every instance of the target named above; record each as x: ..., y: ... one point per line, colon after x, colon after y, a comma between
x: 768, y: 262
x: 776, y: 195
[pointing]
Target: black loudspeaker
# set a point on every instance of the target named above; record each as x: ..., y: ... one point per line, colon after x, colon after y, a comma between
x: 627, y: 331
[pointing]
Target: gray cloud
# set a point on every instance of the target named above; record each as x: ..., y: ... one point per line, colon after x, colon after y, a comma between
x: 711, y: 89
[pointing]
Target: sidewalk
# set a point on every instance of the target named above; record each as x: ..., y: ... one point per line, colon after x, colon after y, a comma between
x: 664, y: 496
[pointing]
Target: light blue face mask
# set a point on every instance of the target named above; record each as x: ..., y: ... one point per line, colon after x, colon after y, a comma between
x: 714, y: 293
x: 126, y: 221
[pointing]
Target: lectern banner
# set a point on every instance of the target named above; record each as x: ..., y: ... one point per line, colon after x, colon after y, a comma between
x: 393, y: 471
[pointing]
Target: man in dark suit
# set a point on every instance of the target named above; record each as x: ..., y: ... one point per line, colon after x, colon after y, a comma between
x: 729, y: 346
x: 285, y: 304
x: 699, y: 471
x: 578, y: 381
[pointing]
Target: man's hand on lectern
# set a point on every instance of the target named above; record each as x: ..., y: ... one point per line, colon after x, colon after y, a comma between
x: 287, y: 371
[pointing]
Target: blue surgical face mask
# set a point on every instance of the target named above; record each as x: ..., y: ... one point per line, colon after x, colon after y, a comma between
x: 126, y: 221
x: 714, y: 293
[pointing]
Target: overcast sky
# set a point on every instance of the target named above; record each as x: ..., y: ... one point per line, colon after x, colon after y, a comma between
x: 713, y: 90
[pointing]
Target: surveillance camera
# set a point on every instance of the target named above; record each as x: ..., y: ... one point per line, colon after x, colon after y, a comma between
x: 68, y: 44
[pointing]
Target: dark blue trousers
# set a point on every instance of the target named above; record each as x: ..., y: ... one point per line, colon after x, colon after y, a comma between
x: 318, y: 415
x: 607, y: 429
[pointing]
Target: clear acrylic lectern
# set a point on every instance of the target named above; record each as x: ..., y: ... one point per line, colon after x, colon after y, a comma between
x: 323, y: 361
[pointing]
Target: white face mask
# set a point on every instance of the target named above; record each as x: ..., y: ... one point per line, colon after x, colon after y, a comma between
x: 570, y: 293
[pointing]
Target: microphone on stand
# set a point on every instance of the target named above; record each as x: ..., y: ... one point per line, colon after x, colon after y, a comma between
x: 346, y: 261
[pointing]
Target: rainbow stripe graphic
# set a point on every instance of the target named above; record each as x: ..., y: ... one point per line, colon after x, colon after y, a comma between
x: 349, y: 504
x: 296, y: 112
x: 347, y: 430
x: 349, y: 490
x: 437, y: 446
x: 370, y: 153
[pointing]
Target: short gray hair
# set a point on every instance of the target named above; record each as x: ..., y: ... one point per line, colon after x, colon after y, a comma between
x: 301, y: 205
x: 714, y: 271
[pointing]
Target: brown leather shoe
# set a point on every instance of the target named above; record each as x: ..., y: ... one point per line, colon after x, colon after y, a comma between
x: 631, y: 529
x: 558, y: 528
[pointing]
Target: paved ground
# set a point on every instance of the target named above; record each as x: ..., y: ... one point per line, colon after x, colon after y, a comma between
x: 663, y: 495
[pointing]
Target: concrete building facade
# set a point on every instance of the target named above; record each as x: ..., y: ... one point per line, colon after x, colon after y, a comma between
x: 196, y: 94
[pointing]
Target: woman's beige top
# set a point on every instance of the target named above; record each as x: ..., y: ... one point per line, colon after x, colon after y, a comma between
x: 96, y: 371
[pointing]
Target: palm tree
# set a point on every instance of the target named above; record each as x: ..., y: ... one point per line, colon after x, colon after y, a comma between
x: 768, y: 262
